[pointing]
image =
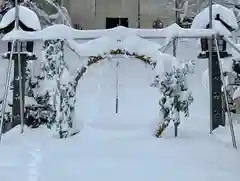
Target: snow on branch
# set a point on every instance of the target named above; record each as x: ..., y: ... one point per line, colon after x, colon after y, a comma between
x: 175, y: 96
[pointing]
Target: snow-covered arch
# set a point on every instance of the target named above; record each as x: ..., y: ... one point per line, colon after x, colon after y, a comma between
x: 170, y: 73
x: 130, y: 46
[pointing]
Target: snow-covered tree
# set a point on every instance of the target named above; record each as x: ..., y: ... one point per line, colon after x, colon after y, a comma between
x: 50, y: 73
x: 175, y: 97
x: 62, y: 91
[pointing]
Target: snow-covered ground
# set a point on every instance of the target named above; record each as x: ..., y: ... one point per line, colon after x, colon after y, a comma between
x: 122, y: 147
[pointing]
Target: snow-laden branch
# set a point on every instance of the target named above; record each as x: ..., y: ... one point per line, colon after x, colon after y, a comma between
x: 62, y: 11
x: 41, y: 14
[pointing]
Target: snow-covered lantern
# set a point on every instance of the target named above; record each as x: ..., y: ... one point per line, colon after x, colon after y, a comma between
x: 221, y: 43
x: 223, y: 21
x: 28, y: 21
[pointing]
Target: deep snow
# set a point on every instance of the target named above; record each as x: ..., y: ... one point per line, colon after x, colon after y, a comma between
x: 122, y: 147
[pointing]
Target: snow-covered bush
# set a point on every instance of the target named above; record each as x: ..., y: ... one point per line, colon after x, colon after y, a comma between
x: 175, y: 96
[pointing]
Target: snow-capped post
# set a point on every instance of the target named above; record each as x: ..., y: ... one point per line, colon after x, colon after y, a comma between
x: 175, y: 41
x: 16, y: 17
x: 20, y: 65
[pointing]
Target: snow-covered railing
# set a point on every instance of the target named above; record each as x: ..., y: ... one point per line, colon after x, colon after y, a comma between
x: 61, y: 31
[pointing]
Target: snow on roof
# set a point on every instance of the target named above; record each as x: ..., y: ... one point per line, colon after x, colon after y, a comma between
x: 201, y: 20
x: 61, y: 31
x: 27, y: 16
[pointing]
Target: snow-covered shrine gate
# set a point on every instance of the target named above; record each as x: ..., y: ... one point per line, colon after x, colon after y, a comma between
x: 173, y: 31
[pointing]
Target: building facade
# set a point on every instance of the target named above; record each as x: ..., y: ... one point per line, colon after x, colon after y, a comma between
x: 100, y: 14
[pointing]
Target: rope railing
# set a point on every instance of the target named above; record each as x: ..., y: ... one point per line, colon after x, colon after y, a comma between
x: 6, y: 88
x: 226, y: 97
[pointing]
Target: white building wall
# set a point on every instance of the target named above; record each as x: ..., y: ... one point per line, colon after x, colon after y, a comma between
x: 83, y: 12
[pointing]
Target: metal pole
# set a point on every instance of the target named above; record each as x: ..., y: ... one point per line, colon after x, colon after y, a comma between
x: 210, y: 66
x: 95, y: 7
x: 175, y: 55
x: 19, y: 68
x: 117, y: 66
x: 210, y: 14
x: 177, y: 18
x: 6, y: 88
x: 198, y: 8
x: 175, y: 47
x: 139, y: 13
x: 226, y: 99
x: 177, y: 14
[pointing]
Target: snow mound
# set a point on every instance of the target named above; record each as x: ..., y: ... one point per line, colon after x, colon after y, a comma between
x: 202, y: 19
x: 27, y: 16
